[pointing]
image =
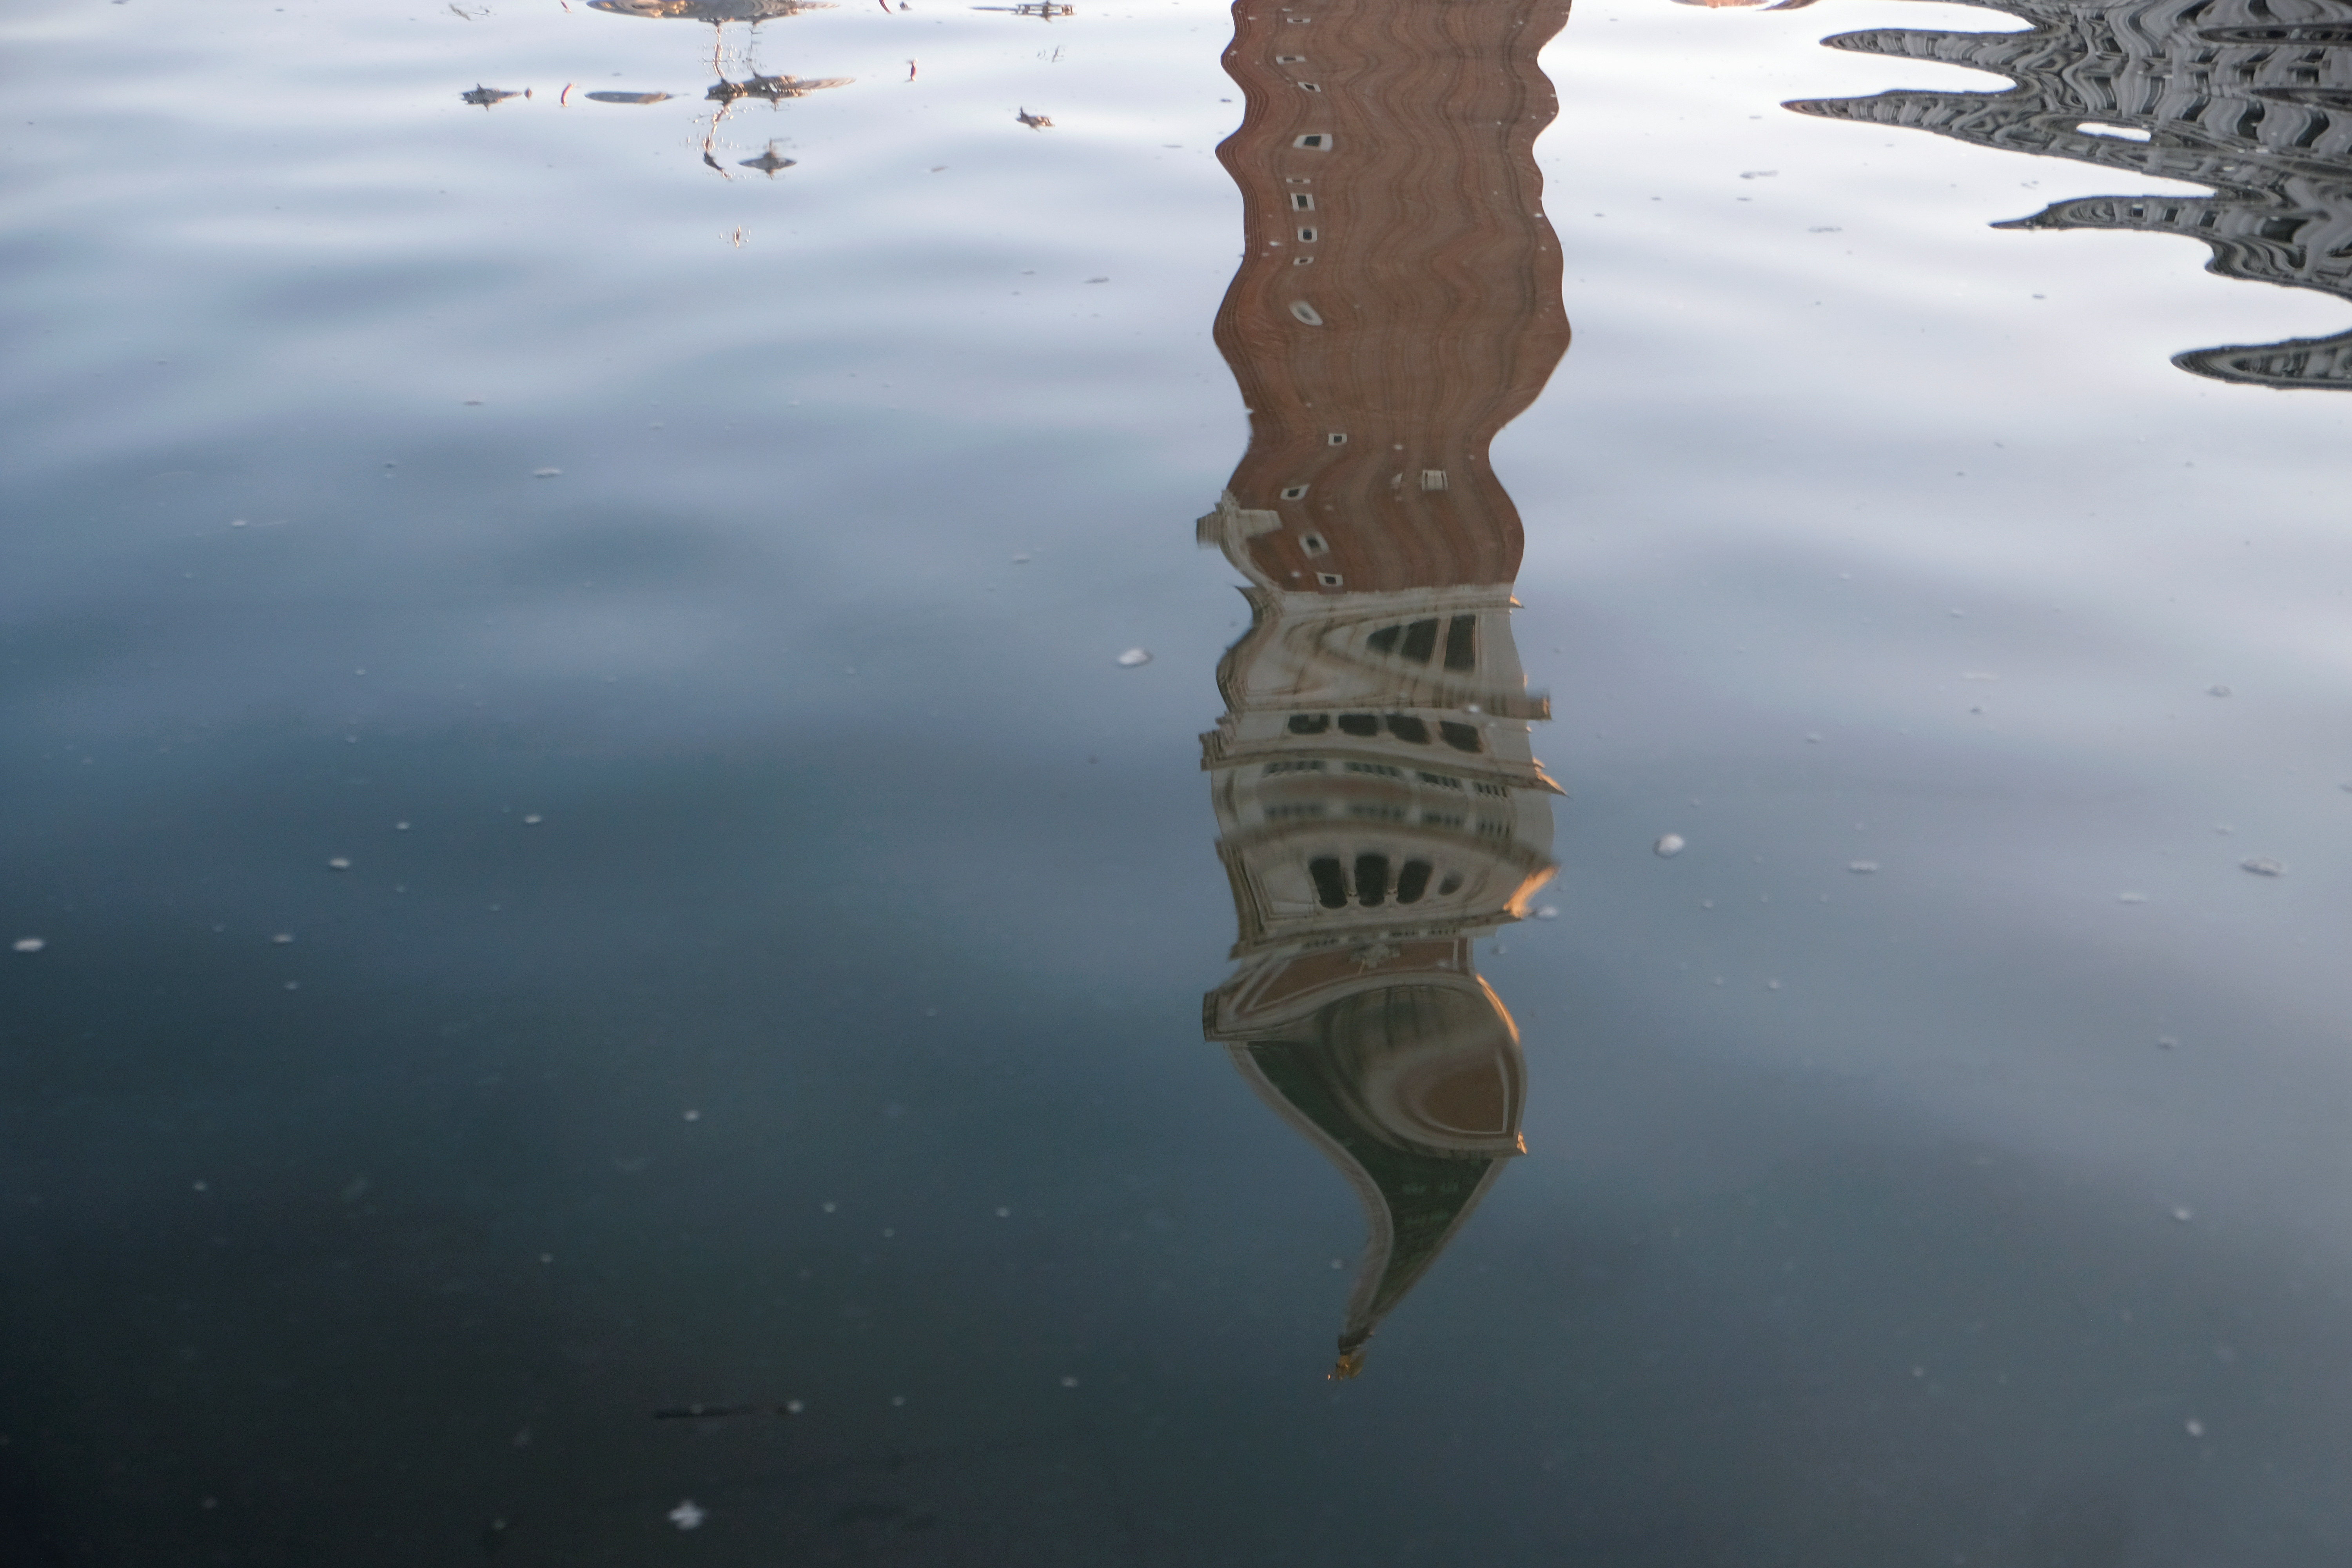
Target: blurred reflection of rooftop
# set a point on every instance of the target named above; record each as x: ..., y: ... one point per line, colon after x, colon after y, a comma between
x: 2251, y: 98
x: 716, y: 12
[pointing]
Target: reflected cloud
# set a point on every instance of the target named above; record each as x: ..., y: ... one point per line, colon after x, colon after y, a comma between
x: 1378, y: 801
x: 2251, y: 98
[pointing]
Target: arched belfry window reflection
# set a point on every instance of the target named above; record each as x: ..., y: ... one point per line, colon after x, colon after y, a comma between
x: 1378, y: 803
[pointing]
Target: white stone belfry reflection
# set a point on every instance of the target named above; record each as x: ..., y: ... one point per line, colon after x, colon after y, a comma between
x: 1379, y: 802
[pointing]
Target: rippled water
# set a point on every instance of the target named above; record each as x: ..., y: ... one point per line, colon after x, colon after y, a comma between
x: 628, y: 947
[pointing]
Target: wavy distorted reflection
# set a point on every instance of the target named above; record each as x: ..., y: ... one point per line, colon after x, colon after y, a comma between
x: 1377, y: 798
x: 2251, y: 98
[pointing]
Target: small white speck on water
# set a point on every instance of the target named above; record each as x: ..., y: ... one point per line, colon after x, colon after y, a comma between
x: 200, y: 1186
x: 2184, y: 1216
x: 30, y: 943
x: 550, y: 474
x: 547, y: 1257
x: 1548, y: 912
x: 888, y: 1231
x: 2193, y: 1426
x: 293, y: 985
x: 533, y: 820
x: 897, y: 1400
x: 282, y: 938
x: 691, y: 1115
x: 1668, y: 847
x: 688, y: 1515
x: 1022, y: 559
x: 1771, y: 985
x: 400, y: 828
x: 794, y: 1406
x: 1862, y: 868
x: 237, y: 522
x: 1706, y: 903
x: 2262, y: 866
x: 340, y: 863
x: 1003, y: 1212
x: 1134, y: 658
x: 1069, y: 1383
x: 830, y: 1206
x: 2131, y: 897
x: 1339, y: 1263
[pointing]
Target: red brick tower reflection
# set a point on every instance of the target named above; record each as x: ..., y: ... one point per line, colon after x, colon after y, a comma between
x: 1379, y: 802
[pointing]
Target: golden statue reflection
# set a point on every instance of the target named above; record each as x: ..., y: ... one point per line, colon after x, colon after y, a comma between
x: 1378, y: 803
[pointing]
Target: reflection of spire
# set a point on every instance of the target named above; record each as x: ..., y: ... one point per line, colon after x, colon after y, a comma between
x: 1378, y: 803
x: 2249, y: 97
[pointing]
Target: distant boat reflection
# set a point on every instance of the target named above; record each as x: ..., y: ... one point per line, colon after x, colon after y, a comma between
x: 2251, y: 98
x: 1377, y: 798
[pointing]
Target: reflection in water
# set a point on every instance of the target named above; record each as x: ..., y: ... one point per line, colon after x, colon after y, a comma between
x: 1378, y: 802
x: 726, y: 92
x: 2251, y: 98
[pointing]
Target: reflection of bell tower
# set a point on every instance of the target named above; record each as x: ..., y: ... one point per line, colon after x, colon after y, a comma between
x: 1377, y: 798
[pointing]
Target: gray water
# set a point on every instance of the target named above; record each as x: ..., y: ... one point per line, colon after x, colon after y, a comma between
x: 609, y: 962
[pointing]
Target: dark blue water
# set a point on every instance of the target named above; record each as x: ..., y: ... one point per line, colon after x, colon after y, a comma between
x: 654, y: 1011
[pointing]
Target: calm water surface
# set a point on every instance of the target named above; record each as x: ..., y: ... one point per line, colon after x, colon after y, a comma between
x: 667, y: 909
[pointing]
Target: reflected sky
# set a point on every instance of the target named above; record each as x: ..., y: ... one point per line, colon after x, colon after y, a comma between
x: 653, y: 642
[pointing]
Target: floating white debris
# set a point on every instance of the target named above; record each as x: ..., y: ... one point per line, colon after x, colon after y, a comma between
x: 340, y: 863
x: 2262, y: 866
x: 2193, y: 1426
x: 293, y: 985
x: 1003, y: 1212
x: 237, y: 522
x: 1548, y: 912
x: 1134, y: 658
x: 688, y: 1515
x: 551, y: 474
x: 30, y: 943
x: 282, y: 938
x: 1668, y: 847
x: 829, y: 1207
x: 2184, y: 1214
x: 693, y: 1115
x: 533, y: 820
x: 1862, y: 868
x: 898, y: 1400
x: 400, y: 828
x: 1022, y: 559
x: 794, y: 1407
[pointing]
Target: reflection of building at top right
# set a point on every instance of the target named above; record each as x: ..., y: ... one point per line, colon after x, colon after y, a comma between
x: 2251, y: 98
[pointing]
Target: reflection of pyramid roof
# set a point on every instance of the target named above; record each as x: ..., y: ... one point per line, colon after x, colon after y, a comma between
x: 2244, y: 97
x: 1411, y: 1084
x: 713, y: 12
